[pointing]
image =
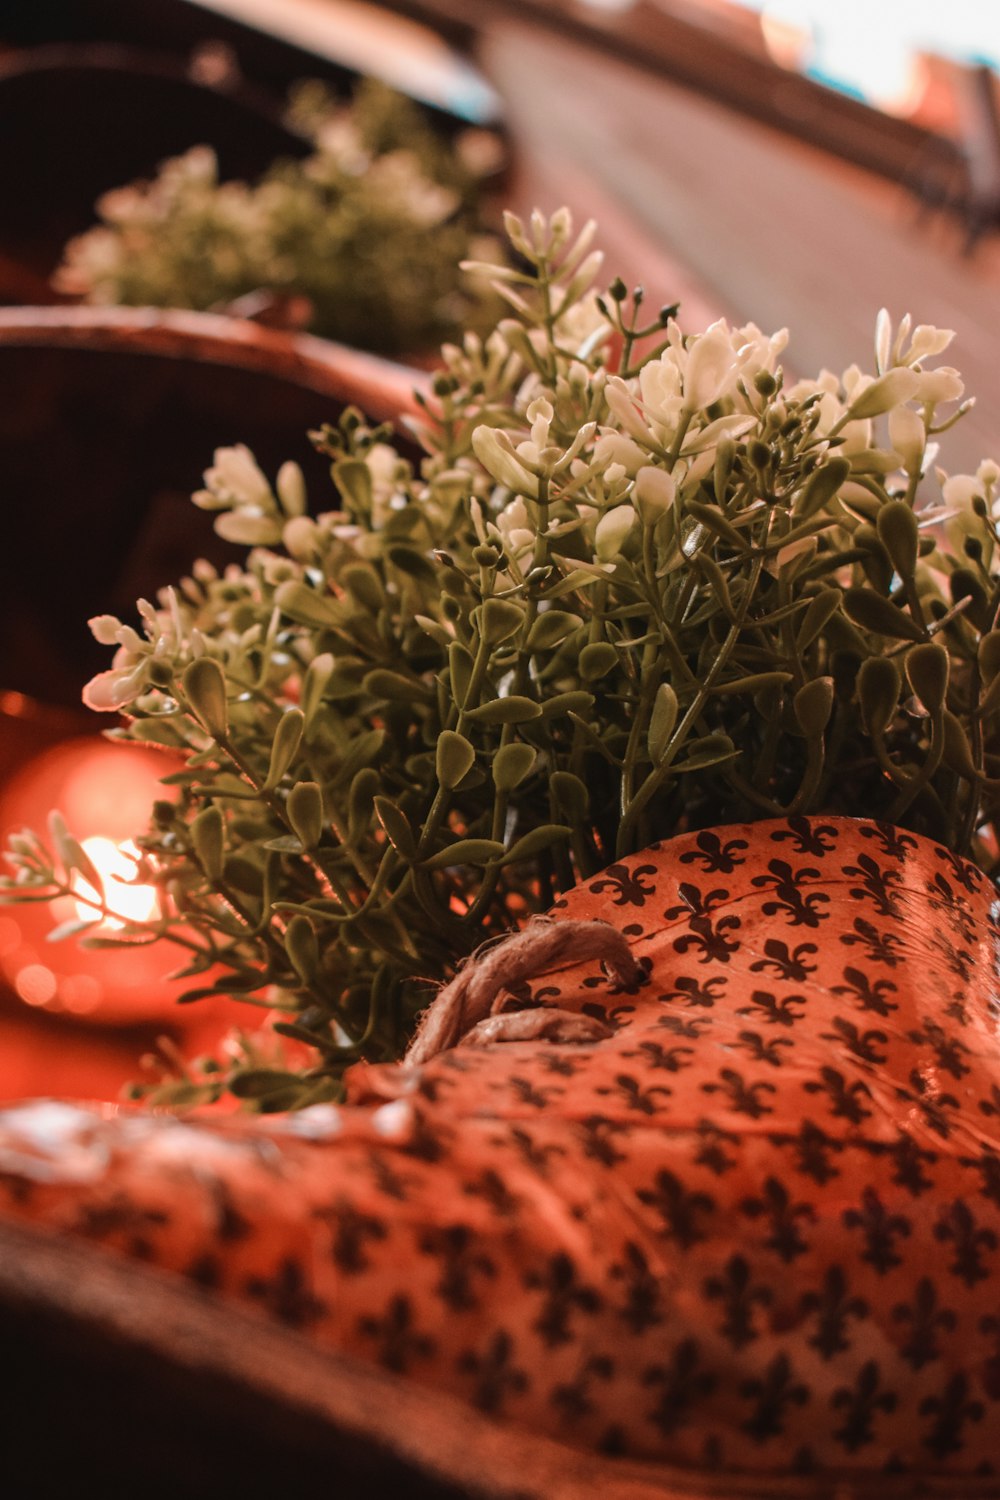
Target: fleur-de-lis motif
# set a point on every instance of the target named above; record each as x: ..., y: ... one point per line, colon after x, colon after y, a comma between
x: 774, y: 1012
x: 788, y: 965
x: 742, y: 1096
x: 711, y: 1152
x: 863, y: 1045
x: 950, y: 1412
x: 763, y: 1050
x: 526, y: 1091
x: 597, y: 1140
x: 462, y: 1261
x: 880, y: 947
x: 735, y: 1289
x: 957, y: 1225
x: 288, y: 1294
x: 834, y: 1307
x: 948, y: 1050
x: 399, y: 1342
x: 870, y: 994
x: 876, y: 884
x: 691, y: 1027
x: 718, y: 858
x: 846, y: 1099
x: 923, y: 1317
x: 628, y: 885
x: 635, y: 1096
x: 783, y: 1217
x: 944, y: 898
x: 711, y: 938
x: 861, y: 1403
x: 684, y: 1383
x: 809, y: 837
x: 892, y: 841
x: 662, y: 1059
x: 801, y: 910
x: 813, y: 1148
x: 494, y: 1373
x: 695, y: 902
x: 908, y: 1160
x: 682, y: 1211
x: 643, y: 1304
x: 880, y: 1230
x: 351, y: 1229
x: 962, y: 870
x: 696, y: 991
x: 563, y: 1295
x: 772, y: 1395
x: 573, y: 1399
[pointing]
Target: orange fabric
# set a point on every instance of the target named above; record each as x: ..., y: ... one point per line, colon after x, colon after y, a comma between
x: 757, y: 1228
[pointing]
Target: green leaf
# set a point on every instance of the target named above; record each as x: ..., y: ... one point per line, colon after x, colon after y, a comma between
x: 878, y: 688
x: 394, y: 686
x: 821, y: 486
x: 305, y: 812
x: 752, y: 683
x: 535, y: 842
x: 497, y: 620
x: 465, y: 852
x: 576, y: 701
x: 364, y: 584
x: 597, y: 659
x: 303, y: 949
x: 570, y: 796
x: 816, y: 617
x: 204, y: 685
x: 661, y: 722
x: 360, y: 801
x: 927, y: 669
x: 306, y: 606
x: 511, y: 764
x: 551, y: 628
x: 957, y: 753
x: 284, y: 746
x: 511, y: 710
x: 873, y: 612
x: 710, y: 750
x: 712, y: 517
x: 318, y: 674
x: 455, y: 757
x: 353, y: 479
x: 813, y: 705
x: 208, y: 835
x: 460, y: 667
x: 257, y: 1083
x: 397, y: 828
x: 899, y: 534
x: 408, y: 560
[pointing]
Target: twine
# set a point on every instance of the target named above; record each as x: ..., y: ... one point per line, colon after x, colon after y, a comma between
x: 541, y: 946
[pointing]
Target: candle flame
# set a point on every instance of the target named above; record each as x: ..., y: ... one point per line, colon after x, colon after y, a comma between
x: 127, y: 900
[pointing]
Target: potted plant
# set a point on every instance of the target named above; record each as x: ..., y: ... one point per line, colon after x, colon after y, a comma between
x: 359, y: 239
x: 690, y: 656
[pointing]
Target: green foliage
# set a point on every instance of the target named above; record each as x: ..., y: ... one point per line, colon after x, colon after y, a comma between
x: 636, y: 586
x: 368, y: 230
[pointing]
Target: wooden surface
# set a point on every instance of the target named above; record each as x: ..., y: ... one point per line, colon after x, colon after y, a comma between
x: 740, y: 220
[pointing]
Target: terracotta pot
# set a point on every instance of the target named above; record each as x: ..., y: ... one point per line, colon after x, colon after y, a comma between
x: 749, y: 1240
x: 108, y: 418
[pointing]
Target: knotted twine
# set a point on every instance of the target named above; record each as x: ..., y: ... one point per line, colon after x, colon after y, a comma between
x: 541, y: 946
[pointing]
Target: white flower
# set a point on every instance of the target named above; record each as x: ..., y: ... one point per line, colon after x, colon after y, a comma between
x: 711, y: 369
x: 497, y: 455
x: 944, y: 384
x: 654, y: 492
x: 612, y: 530
x: 236, y: 479
x: 908, y: 437
x: 615, y: 449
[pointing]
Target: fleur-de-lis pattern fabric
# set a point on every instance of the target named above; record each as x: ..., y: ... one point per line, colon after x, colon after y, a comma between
x: 756, y: 1228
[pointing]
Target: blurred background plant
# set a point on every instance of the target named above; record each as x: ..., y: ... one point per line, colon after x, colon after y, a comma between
x: 360, y: 241
x: 638, y: 585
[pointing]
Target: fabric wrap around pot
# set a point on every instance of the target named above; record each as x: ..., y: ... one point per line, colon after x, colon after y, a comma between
x: 756, y: 1228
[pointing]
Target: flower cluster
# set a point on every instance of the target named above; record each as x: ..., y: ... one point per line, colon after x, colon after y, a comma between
x: 635, y: 585
x: 361, y: 239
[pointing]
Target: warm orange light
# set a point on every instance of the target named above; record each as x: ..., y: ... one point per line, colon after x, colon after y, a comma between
x: 105, y: 792
x: 127, y: 900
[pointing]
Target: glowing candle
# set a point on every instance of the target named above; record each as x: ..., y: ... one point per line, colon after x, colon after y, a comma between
x: 105, y: 792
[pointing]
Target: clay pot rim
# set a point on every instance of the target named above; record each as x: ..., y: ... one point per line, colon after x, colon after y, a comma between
x: 384, y: 388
